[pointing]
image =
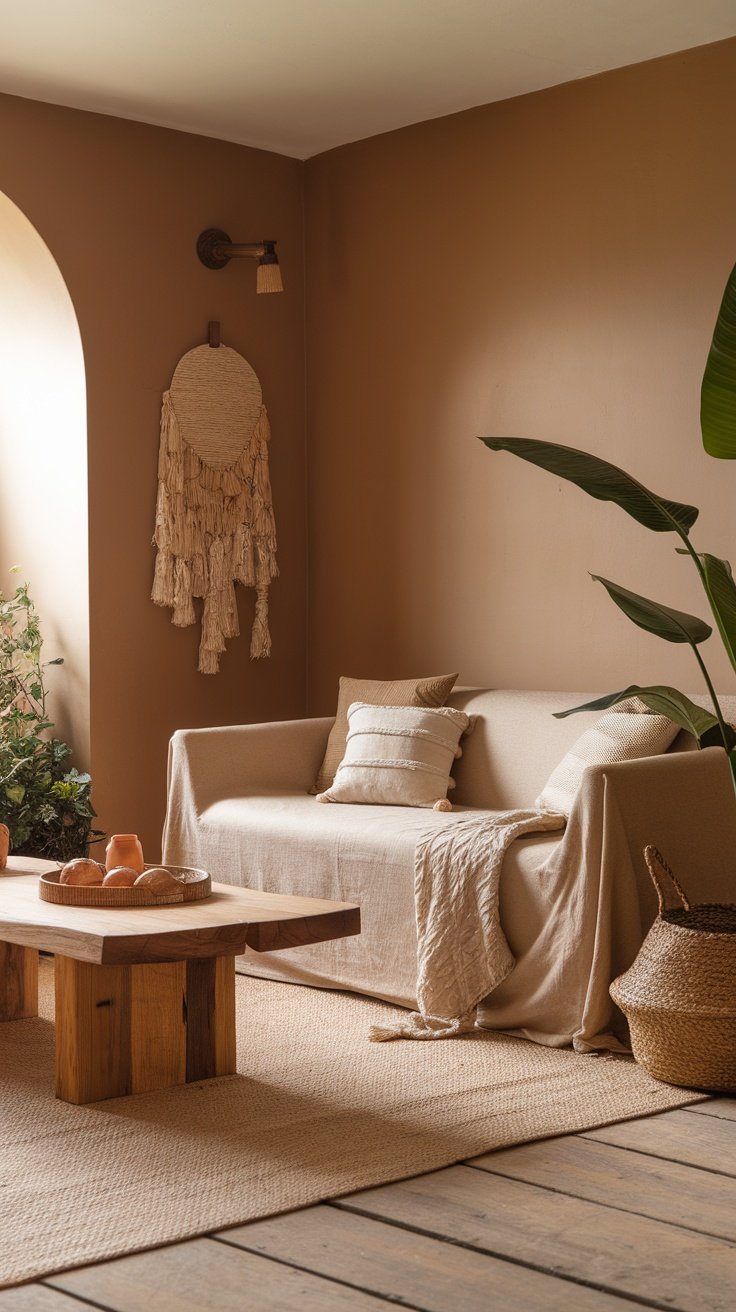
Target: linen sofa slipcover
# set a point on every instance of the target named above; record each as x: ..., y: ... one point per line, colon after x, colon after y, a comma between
x: 575, y: 908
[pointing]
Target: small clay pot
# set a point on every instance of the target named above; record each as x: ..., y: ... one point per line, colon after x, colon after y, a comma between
x: 125, y: 850
x: 4, y: 845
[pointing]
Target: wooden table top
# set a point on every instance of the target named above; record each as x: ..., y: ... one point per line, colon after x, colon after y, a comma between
x: 222, y: 925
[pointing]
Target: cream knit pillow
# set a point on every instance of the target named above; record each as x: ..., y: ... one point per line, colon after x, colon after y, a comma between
x: 398, y: 756
x: 431, y: 691
x: 617, y: 736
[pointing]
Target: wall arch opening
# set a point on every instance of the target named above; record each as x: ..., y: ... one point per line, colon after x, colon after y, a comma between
x: 43, y: 463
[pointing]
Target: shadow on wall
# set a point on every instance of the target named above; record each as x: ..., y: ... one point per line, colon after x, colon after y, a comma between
x: 43, y: 463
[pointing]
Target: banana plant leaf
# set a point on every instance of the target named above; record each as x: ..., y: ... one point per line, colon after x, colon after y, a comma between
x: 718, y: 392
x: 603, y: 481
x: 714, y: 738
x: 663, y: 621
x: 721, y: 591
x: 665, y: 701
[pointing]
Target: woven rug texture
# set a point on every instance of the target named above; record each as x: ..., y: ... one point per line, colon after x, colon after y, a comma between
x: 314, y: 1112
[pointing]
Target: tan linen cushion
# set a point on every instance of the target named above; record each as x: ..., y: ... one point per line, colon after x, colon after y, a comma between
x: 432, y: 691
x: 398, y: 756
x: 617, y: 736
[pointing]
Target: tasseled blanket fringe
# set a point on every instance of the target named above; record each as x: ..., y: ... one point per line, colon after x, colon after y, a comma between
x: 214, y: 528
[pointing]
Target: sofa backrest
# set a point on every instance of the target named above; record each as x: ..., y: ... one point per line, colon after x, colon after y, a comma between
x: 516, y: 742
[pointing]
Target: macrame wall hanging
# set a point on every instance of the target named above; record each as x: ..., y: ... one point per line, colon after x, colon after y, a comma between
x: 214, y: 518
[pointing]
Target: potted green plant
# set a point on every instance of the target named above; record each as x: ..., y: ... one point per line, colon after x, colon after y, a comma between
x: 47, y: 807
x: 607, y: 482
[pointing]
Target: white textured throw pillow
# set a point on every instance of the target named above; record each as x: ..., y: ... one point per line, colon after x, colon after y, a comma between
x: 398, y: 756
x: 617, y: 736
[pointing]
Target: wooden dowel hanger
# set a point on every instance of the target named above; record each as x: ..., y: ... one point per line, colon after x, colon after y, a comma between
x: 213, y: 332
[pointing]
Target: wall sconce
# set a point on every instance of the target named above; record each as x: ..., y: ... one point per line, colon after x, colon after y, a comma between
x: 215, y: 250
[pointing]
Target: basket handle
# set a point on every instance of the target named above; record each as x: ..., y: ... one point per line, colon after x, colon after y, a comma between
x: 669, y: 892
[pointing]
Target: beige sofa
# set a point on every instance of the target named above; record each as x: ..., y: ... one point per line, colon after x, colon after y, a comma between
x: 574, y: 908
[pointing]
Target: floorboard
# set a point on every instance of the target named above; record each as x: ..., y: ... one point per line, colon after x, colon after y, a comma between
x: 724, y: 1108
x: 596, y: 1245
x: 601, y: 1173
x: 409, y: 1268
x: 38, y: 1298
x: 637, y: 1214
x: 205, y: 1274
x: 708, y: 1142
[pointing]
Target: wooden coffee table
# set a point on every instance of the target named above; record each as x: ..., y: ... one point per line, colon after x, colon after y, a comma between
x: 145, y: 998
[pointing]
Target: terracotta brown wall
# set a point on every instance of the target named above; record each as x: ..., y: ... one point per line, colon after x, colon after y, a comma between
x: 119, y: 205
x: 546, y: 267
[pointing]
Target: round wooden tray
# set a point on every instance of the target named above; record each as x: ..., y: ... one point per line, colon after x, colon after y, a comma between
x: 195, y: 885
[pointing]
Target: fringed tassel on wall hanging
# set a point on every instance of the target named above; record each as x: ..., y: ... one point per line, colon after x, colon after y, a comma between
x: 214, y: 517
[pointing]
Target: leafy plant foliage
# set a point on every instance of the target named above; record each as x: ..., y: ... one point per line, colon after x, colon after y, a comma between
x: 718, y: 393
x: 47, y: 808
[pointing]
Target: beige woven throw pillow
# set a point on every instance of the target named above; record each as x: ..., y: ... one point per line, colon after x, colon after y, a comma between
x: 399, y: 756
x: 617, y: 736
x: 432, y: 691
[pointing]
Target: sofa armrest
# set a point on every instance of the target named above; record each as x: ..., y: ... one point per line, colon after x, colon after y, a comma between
x: 207, y: 765
x: 237, y: 759
x: 599, y: 888
x: 683, y: 802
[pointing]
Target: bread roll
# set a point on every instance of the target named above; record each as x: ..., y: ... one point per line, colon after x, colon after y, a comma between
x: 120, y: 877
x: 158, y: 881
x: 81, y: 871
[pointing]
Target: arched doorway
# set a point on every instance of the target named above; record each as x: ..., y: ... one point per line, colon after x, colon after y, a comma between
x: 43, y: 462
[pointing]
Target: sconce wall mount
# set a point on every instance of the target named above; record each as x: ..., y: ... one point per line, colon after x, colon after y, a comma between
x: 215, y: 249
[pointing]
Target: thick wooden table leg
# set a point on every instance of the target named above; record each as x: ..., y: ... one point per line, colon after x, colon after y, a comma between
x: 18, y: 982
x: 119, y: 1029
x: 210, y: 1017
x: 132, y: 1029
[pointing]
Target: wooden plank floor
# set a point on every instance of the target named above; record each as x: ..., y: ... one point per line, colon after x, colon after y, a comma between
x: 641, y: 1214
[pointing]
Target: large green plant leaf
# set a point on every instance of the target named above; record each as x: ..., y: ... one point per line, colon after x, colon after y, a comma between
x: 665, y: 701
x: 714, y: 738
x: 603, y: 481
x: 718, y: 392
x: 672, y: 625
x: 721, y: 590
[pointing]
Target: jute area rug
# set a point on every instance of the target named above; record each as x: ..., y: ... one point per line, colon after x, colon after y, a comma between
x: 315, y: 1111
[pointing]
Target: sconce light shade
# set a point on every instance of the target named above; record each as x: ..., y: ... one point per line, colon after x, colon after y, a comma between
x: 268, y: 273
x: 215, y: 250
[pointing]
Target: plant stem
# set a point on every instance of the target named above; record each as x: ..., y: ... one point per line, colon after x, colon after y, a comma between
x: 23, y: 761
x: 714, y: 699
x: 716, y: 706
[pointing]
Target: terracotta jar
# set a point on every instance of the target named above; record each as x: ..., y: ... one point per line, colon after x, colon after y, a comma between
x: 4, y: 845
x: 124, y: 850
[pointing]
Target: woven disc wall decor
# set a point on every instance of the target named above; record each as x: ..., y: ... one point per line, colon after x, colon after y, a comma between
x: 214, y: 517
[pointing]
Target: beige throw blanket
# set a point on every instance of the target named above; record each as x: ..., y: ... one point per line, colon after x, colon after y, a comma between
x: 462, y: 950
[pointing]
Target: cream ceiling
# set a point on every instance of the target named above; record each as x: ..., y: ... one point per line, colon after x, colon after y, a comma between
x: 301, y: 76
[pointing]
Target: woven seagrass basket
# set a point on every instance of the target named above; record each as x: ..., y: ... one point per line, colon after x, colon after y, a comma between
x: 679, y: 996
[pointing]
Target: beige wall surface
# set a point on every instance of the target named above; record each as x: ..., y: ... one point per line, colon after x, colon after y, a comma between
x: 548, y: 267
x: 119, y: 205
